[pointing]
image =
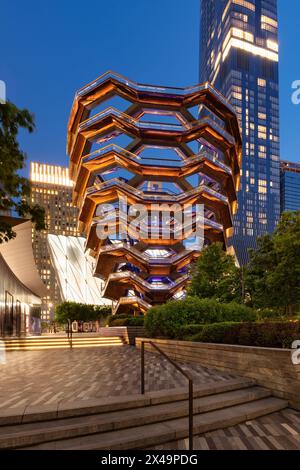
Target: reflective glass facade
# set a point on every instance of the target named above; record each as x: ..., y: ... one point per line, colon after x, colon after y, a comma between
x: 239, y: 56
x: 290, y: 186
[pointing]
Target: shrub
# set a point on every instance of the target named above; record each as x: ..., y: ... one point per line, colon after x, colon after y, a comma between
x: 167, y: 320
x: 217, y: 333
x: 113, y: 318
x: 270, y: 334
x: 189, y: 330
x: 135, y: 321
x: 124, y: 320
x: 269, y: 314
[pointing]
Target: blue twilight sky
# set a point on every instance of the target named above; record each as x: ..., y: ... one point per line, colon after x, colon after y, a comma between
x: 50, y: 48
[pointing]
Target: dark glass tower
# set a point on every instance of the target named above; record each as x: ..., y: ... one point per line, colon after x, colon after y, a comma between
x: 290, y: 186
x: 239, y: 56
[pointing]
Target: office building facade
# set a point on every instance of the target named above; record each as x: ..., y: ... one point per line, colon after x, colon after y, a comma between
x: 239, y: 56
x: 51, y: 189
x: 290, y: 186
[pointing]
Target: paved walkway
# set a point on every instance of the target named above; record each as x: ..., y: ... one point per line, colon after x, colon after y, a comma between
x: 277, y: 431
x: 47, y: 377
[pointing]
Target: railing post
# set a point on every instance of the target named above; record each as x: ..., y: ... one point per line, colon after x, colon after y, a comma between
x: 70, y: 333
x: 188, y: 376
x: 191, y: 415
x: 142, y: 367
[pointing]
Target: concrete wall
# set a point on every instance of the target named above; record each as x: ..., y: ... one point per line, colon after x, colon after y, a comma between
x: 129, y: 333
x: 271, y: 368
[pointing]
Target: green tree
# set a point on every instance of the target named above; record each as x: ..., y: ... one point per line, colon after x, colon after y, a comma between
x: 273, y: 275
x: 215, y: 275
x: 80, y: 312
x: 14, y: 188
x: 262, y: 262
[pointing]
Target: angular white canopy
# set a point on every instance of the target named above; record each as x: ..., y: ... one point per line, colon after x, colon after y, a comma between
x: 74, y: 270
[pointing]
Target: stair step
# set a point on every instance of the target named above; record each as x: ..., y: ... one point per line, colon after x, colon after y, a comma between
x: 61, y: 340
x: 147, y: 435
x: 105, y: 405
x: 35, y: 433
x: 38, y: 344
x: 62, y: 343
x: 45, y: 348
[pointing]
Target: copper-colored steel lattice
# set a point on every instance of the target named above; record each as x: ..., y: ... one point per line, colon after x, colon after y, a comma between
x: 152, y: 269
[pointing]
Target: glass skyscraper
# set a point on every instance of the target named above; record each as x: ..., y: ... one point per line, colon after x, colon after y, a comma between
x: 290, y: 186
x: 239, y: 56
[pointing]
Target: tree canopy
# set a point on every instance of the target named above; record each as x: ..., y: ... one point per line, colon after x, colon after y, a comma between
x: 273, y: 275
x: 271, y: 280
x: 14, y: 188
x: 216, y: 276
x: 80, y: 312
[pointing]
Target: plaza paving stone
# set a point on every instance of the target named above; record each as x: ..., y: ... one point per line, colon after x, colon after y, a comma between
x: 37, y: 378
x: 277, y: 431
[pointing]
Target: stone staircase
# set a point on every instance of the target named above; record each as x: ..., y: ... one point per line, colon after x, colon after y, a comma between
x: 136, y: 422
x: 59, y: 342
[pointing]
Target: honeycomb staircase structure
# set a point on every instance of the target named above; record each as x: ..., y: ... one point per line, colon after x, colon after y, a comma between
x: 182, y: 149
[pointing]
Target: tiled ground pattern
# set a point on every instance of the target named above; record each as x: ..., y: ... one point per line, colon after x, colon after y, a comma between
x: 278, y: 431
x: 47, y: 377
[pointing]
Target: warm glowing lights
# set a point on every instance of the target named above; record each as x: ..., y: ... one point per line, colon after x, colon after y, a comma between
x: 244, y: 4
x: 244, y: 40
x: 266, y: 20
x: 261, y: 82
x: 217, y: 61
x: 250, y: 6
x: 239, y: 33
x: 50, y: 174
x: 272, y: 45
x: 251, y: 48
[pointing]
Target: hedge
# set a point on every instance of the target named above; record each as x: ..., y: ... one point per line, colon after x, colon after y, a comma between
x: 269, y: 334
x: 167, y: 320
x: 189, y: 330
x: 119, y: 320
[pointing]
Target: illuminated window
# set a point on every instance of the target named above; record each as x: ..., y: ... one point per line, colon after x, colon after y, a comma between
x: 262, y: 116
x: 272, y: 45
x: 239, y: 33
x: 261, y: 82
x: 248, y: 47
x: 266, y: 20
x: 262, y: 190
x: 248, y: 5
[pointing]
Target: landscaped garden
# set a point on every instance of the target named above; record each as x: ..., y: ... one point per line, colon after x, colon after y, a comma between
x: 257, y: 305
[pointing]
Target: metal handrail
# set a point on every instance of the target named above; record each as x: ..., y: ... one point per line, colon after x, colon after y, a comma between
x: 186, y: 375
